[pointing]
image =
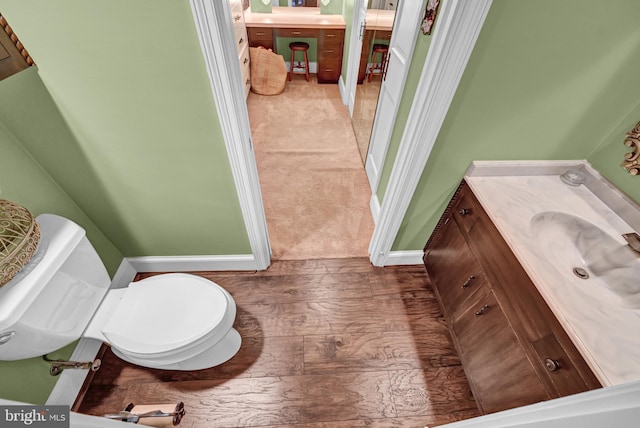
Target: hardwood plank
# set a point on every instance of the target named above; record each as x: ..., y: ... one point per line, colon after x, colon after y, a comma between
x: 269, y: 401
x: 404, y: 422
x: 104, y: 399
x: 329, y: 317
x: 379, y: 351
x: 258, y: 357
x: 401, y: 282
x: 296, y: 288
x: 439, y: 391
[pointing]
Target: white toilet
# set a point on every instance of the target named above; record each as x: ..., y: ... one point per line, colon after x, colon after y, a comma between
x: 170, y: 321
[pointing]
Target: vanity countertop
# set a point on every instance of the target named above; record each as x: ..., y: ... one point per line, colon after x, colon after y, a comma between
x: 294, y: 17
x: 512, y: 194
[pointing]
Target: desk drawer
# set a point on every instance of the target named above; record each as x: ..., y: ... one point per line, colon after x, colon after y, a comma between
x: 331, y: 38
x: 329, y: 70
x: 260, y: 37
x: 297, y: 32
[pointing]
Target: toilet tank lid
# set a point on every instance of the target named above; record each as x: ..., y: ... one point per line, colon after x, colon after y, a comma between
x: 59, y: 238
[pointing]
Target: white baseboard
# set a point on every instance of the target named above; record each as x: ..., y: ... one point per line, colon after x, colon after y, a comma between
x: 313, y: 66
x: 192, y: 263
x: 374, y: 206
x: 343, y: 94
x: 398, y: 258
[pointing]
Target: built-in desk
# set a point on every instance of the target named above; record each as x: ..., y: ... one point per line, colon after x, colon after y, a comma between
x: 301, y: 22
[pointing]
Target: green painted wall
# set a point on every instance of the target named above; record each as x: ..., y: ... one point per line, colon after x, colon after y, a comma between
x: 28, y: 114
x: 608, y: 156
x: 413, y: 78
x: 146, y: 161
x: 333, y: 8
x: 547, y: 80
x: 24, y: 181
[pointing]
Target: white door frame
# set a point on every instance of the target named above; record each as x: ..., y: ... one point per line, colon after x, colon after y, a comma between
x: 215, y: 31
x: 455, y: 33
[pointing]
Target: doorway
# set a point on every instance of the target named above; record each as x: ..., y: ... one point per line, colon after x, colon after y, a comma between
x: 315, y: 190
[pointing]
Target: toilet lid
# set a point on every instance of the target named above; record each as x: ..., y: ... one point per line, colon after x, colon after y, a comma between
x: 165, y: 312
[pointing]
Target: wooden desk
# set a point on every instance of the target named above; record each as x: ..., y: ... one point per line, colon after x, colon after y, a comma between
x: 301, y: 22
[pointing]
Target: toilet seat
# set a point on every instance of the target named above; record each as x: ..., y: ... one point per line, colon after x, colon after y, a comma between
x: 163, y: 320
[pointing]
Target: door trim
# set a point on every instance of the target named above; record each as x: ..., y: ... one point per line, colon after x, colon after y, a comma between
x: 215, y: 32
x: 348, y: 90
x: 455, y: 34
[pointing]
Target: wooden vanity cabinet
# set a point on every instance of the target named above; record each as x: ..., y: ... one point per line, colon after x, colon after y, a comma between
x: 513, y: 349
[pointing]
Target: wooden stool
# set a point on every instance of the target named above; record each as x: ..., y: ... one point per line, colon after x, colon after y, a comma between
x: 383, y: 50
x: 299, y: 47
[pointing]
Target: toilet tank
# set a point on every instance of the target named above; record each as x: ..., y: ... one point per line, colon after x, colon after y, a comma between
x: 51, y: 301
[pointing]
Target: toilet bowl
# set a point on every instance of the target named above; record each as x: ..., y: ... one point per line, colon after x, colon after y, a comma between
x: 172, y: 321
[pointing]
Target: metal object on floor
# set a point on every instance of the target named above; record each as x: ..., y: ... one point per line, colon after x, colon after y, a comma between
x: 57, y: 366
x: 159, y: 415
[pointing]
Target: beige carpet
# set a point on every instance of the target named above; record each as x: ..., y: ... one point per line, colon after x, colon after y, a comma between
x: 314, y: 187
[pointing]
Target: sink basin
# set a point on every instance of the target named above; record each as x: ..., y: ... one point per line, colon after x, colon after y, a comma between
x: 602, y: 266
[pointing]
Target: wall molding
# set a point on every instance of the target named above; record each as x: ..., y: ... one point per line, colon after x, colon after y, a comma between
x: 193, y: 263
x: 399, y: 258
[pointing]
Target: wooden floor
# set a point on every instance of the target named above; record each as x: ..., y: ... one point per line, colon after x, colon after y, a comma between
x: 326, y: 343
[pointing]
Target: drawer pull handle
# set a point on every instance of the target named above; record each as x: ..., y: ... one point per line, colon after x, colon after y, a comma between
x: 330, y: 35
x: 464, y: 211
x: 482, y: 310
x: 246, y: 60
x: 260, y: 33
x: 551, y: 364
x: 296, y: 33
x: 468, y: 282
x: 236, y: 18
x: 241, y: 41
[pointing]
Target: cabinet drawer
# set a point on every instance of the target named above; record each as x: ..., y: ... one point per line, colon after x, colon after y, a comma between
x: 466, y: 211
x: 329, y: 71
x: 331, y: 38
x: 329, y: 54
x: 260, y: 37
x: 556, y: 364
x: 498, y: 369
x: 454, y: 271
x: 297, y: 32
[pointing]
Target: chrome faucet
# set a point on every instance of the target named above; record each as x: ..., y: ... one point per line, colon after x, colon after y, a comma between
x: 633, y: 239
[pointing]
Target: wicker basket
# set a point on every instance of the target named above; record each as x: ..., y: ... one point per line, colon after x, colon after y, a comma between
x: 268, y: 72
x: 19, y: 238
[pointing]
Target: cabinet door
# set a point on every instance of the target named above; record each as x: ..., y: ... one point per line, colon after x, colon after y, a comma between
x: 498, y: 369
x: 454, y: 271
